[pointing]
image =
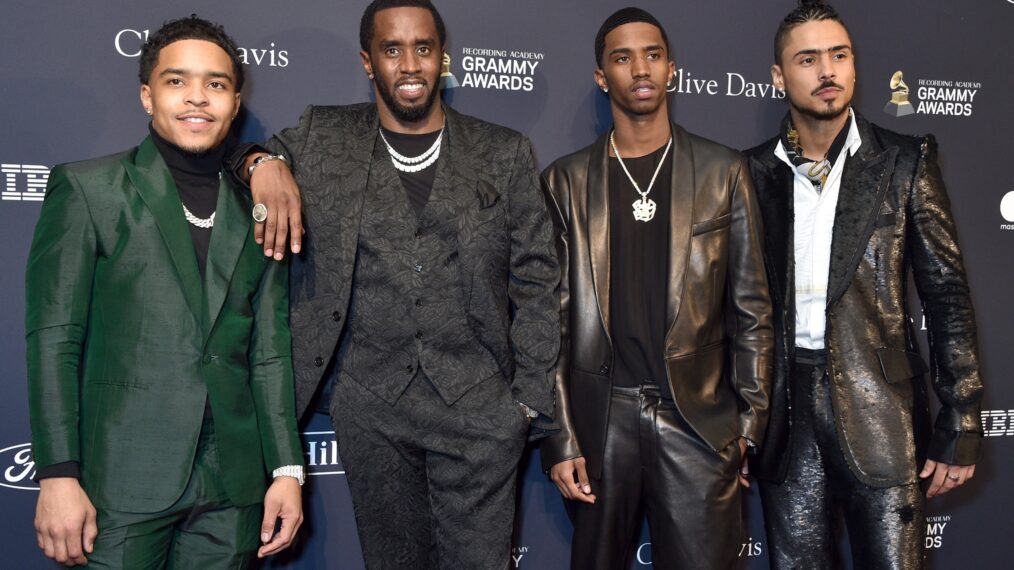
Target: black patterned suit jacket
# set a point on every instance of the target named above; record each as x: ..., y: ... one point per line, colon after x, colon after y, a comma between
x: 509, y: 270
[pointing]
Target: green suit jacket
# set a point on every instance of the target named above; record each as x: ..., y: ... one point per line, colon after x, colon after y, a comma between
x: 125, y: 345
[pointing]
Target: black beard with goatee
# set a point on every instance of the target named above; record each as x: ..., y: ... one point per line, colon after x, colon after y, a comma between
x: 402, y: 113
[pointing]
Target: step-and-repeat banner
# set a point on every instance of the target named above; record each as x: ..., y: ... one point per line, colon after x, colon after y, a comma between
x: 69, y: 91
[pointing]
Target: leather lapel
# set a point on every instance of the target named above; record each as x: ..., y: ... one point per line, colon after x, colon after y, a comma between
x: 230, y: 234
x: 681, y: 217
x: 150, y: 176
x: 775, y: 185
x: 598, y: 225
x: 865, y: 181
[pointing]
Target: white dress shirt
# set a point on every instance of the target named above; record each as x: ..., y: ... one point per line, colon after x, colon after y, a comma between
x: 813, y: 225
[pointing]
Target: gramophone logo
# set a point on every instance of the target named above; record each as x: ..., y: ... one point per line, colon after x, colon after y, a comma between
x: 447, y: 79
x: 899, y: 105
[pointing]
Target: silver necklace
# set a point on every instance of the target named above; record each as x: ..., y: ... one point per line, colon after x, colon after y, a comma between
x: 644, y: 209
x: 414, y: 163
x: 205, y: 223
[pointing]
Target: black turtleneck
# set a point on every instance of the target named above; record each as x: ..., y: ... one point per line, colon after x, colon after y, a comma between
x: 197, y: 178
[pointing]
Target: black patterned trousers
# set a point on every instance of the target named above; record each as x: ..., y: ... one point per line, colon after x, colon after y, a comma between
x: 886, y: 526
x: 433, y: 485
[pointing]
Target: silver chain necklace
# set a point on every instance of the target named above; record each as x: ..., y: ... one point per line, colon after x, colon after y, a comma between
x: 644, y: 209
x: 414, y: 163
x: 205, y: 223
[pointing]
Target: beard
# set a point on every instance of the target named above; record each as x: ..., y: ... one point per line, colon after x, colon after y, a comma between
x: 826, y: 111
x: 401, y: 112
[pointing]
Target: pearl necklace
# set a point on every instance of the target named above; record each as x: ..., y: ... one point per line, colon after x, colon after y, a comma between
x: 644, y: 209
x: 414, y: 163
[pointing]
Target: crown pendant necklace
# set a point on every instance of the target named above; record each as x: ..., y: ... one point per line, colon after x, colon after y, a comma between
x: 644, y: 209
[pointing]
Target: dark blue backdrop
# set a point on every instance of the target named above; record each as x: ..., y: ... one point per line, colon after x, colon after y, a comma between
x: 69, y: 92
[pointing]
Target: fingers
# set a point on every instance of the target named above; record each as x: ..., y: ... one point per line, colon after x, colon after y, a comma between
x: 559, y: 476
x: 296, y: 227
x: 571, y: 478
x: 582, y: 481
x: 927, y: 469
x: 270, y: 225
x: 271, y: 509
x: 91, y: 531
x: 937, y: 484
x: 283, y: 539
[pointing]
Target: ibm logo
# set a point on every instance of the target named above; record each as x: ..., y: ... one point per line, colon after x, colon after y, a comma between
x: 997, y: 422
x: 24, y: 182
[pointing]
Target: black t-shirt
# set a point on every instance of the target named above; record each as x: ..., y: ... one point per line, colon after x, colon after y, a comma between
x: 417, y: 184
x: 639, y: 257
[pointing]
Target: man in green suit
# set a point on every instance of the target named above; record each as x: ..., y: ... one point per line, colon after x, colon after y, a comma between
x: 159, y: 368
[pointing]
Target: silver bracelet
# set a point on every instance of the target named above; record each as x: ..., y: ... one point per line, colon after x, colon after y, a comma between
x: 295, y: 471
x: 261, y: 160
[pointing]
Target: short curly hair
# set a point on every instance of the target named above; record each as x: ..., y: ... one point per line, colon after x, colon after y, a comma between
x: 191, y: 28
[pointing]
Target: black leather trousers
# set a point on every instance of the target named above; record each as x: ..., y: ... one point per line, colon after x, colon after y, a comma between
x: 654, y: 462
x: 885, y: 525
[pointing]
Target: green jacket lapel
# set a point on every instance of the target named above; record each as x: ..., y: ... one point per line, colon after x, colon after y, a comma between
x: 231, y: 231
x: 150, y: 176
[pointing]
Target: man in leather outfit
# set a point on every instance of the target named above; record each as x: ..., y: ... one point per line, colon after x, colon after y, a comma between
x: 848, y: 209
x: 663, y: 375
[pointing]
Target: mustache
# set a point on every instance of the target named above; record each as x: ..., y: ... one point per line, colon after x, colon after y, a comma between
x: 825, y: 85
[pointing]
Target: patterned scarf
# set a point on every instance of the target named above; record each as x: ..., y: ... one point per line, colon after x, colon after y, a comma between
x: 816, y: 171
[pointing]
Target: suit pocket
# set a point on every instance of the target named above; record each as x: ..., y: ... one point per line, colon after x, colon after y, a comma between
x: 712, y: 224
x: 898, y: 365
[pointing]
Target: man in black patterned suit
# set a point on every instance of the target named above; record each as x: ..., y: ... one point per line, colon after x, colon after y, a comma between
x: 424, y: 306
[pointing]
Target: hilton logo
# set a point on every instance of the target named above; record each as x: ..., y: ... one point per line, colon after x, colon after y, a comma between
x: 18, y: 467
x: 24, y: 182
x: 321, y: 452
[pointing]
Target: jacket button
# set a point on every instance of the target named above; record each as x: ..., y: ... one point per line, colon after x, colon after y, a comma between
x: 207, y: 359
x: 418, y: 334
x: 604, y: 368
x: 418, y: 303
x: 336, y: 316
x: 408, y: 368
x: 318, y: 361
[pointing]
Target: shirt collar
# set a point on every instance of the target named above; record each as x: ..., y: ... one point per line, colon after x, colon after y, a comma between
x: 852, y: 142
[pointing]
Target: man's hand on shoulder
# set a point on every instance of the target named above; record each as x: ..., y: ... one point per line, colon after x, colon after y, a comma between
x: 272, y: 184
x: 65, y: 521
x: 284, y: 502
x: 571, y: 477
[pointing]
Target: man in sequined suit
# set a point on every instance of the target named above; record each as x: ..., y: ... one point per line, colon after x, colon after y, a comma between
x: 849, y: 209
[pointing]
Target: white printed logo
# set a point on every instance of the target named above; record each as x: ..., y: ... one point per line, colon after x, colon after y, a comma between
x: 18, y: 467
x: 24, y: 182
x: 321, y: 450
x: 996, y: 423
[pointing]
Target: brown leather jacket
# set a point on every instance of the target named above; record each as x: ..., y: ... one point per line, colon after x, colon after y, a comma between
x: 719, y: 373
x: 892, y: 215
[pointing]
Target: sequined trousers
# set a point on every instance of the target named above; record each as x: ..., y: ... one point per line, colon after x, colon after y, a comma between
x: 803, y: 514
